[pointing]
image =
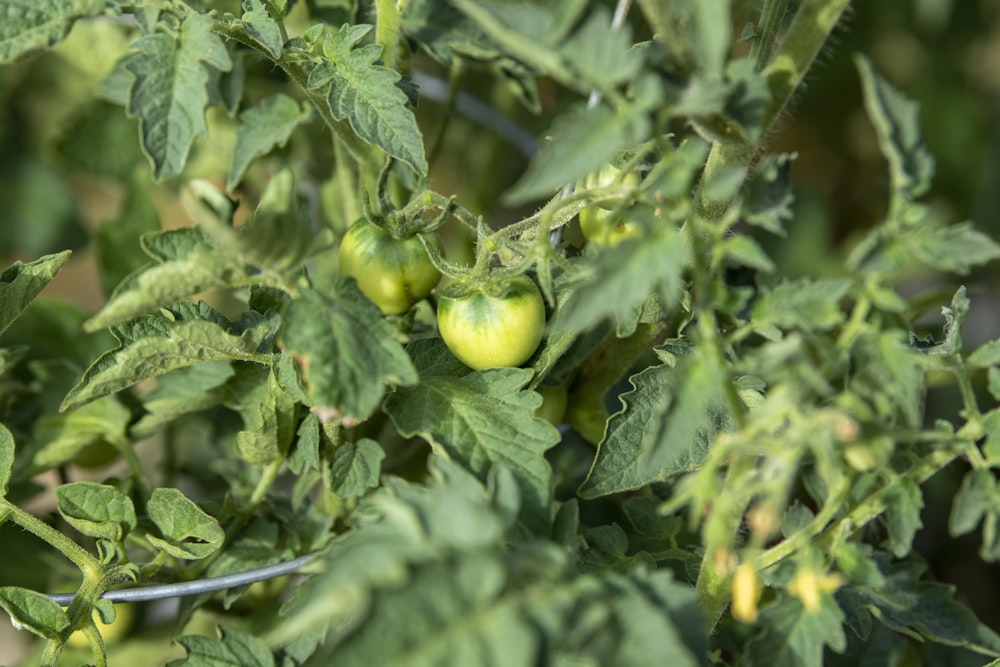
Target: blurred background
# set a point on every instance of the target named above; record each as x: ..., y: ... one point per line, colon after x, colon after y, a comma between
x: 68, y: 157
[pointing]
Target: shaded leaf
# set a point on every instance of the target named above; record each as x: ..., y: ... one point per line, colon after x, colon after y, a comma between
x: 6, y: 458
x: 355, y: 468
x: 347, y: 353
x: 795, y: 637
x: 232, y: 647
x: 480, y: 418
x: 261, y: 129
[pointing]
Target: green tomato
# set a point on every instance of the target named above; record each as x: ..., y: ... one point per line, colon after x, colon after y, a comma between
x: 493, y: 326
x: 554, y: 400
x: 598, y: 222
x: 393, y: 273
x: 110, y: 632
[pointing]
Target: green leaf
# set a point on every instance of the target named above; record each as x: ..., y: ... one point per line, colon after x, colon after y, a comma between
x: 988, y: 354
x: 156, y: 344
x: 897, y: 125
x: 616, y: 283
x: 6, y: 458
x: 806, y: 305
x: 34, y: 612
x: 952, y: 248
x: 187, y: 532
x: 36, y: 24
x: 58, y: 438
x: 907, y: 603
x: 189, y: 264
x: 582, y: 141
x: 191, y: 389
x: 602, y: 56
x: 889, y: 376
x: 262, y: 29
x: 232, y: 647
x: 979, y: 495
x: 744, y: 250
x: 269, y: 425
x: 355, y: 468
x: 795, y: 637
x: 480, y: 418
x: 712, y: 36
x: 96, y: 510
x: 665, y: 427
x: 367, y: 96
x: 20, y: 283
x: 169, y: 91
x: 261, y: 129
x: 347, y: 353
x: 903, y: 502
x: 767, y: 197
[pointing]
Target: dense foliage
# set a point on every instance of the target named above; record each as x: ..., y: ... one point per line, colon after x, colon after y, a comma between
x: 733, y: 457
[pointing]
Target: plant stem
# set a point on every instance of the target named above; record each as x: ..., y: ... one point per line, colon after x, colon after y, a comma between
x: 771, y: 17
x: 387, y: 24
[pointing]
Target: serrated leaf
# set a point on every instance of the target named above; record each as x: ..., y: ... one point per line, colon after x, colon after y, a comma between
x: 480, y: 418
x: 156, y: 344
x: 263, y: 29
x: 665, y: 427
x: 952, y: 248
x: 795, y: 637
x: 355, y: 468
x: 804, y: 304
x: 169, y: 91
x: 897, y: 125
x: 889, y: 376
x: 36, y: 24
x: 187, y: 532
x: 269, y: 425
x: 6, y: 458
x: 620, y: 279
x: 366, y: 95
x: 33, y: 611
x: 910, y: 604
x: 232, y: 647
x: 346, y: 351
x: 21, y: 282
x: 581, y: 141
x: 263, y: 128
x: 96, y: 510
x: 600, y: 54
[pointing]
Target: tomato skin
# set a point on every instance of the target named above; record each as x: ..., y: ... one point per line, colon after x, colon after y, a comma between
x: 489, y: 327
x: 597, y: 221
x: 393, y: 273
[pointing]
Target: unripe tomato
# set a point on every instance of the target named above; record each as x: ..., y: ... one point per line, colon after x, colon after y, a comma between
x: 492, y: 326
x: 598, y: 222
x: 96, y: 455
x: 393, y: 273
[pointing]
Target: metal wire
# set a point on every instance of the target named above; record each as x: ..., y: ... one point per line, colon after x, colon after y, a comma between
x: 209, y: 585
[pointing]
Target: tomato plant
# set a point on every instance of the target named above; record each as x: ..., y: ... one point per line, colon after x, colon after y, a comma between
x: 710, y: 374
x: 394, y: 273
x: 492, y: 325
